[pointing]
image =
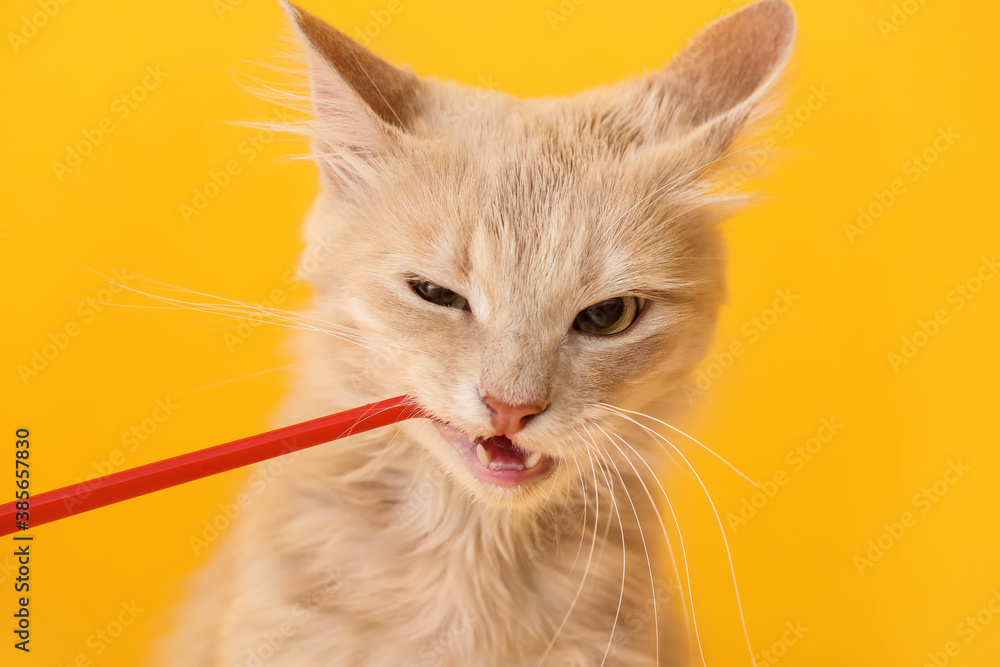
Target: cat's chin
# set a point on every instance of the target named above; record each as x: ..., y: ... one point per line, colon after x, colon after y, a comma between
x: 497, y: 460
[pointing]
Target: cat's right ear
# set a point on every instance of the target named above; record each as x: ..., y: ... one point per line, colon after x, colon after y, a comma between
x: 362, y: 104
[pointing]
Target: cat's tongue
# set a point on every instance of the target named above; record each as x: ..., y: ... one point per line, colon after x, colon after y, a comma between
x: 497, y: 459
x: 499, y: 453
x: 500, y: 461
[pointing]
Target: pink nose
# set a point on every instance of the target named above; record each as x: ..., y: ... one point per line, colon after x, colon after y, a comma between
x: 509, y: 419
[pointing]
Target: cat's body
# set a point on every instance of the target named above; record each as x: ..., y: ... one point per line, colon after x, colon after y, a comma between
x: 397, y: 547
x: 396, y: 569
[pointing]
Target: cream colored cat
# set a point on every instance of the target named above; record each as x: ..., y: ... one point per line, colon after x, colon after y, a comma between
x: 516, y: 267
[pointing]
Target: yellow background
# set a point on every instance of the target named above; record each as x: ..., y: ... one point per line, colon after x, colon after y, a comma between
x: 887, y: 94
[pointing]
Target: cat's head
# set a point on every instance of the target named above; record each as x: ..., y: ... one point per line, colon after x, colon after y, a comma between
x: 527, y: 261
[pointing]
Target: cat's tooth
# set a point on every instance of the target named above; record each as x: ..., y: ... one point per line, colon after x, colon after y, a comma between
x: 532, y: 460
x: 484, y: 457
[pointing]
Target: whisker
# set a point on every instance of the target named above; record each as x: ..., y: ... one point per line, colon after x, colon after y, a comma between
x: 583, y: 531
x: 234, y: 304
x: 687, y: 570
x: 586, y: 570
x: 252, y: 314
x: 621, y: 595
x: 642, y: 536
x: 242, y: 308
x: 718, y: 519
x: 689, y: 437
x: 378, y: 459
x: 414, y: 409
x: 245, y: 377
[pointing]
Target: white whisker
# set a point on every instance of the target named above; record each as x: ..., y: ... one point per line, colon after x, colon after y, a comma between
x: 586, y: 571
x: 690, y: 617
x: 621, y: 526
x: 256, y: 313
x: 718, y: 519
x: 583, y: 530
x: 642, y: 536
x: 689, y: 437
x: 244, y: 377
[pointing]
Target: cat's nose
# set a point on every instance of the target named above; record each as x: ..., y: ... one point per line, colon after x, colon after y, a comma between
x: 509, y: 419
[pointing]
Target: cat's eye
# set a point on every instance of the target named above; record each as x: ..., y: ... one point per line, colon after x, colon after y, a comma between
x: 440, y: 296
x: 610, y: 316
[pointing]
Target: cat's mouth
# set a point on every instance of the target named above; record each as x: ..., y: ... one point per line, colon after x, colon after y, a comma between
x: 497, y: 459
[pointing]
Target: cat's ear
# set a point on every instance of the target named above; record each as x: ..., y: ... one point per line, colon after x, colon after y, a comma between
x: 362, y: 104
x: 714, y: 85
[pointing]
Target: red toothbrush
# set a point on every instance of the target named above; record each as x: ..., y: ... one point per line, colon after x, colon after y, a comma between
x: 119, y: 486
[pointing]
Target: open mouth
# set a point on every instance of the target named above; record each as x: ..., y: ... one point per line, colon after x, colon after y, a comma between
x: 497, y: 459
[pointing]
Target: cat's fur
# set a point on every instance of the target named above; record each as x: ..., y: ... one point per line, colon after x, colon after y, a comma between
x: 383, y: 549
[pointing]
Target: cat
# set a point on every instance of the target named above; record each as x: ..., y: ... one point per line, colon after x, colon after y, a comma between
x: 534, y: 274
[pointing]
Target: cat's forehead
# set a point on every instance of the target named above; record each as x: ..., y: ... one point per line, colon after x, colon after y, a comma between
x: 540, y: 169
x: 551, y: 200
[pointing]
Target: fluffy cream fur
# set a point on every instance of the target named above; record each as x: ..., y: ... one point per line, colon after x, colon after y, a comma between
x: 383, y: 549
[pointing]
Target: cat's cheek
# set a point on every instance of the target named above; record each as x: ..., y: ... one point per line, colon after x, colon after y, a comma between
x: 602, y: 367
x: 443, y: 456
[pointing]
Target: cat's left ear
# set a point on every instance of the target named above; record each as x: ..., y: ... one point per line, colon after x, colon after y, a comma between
x: 362, y: 103
x: 717, y: 83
